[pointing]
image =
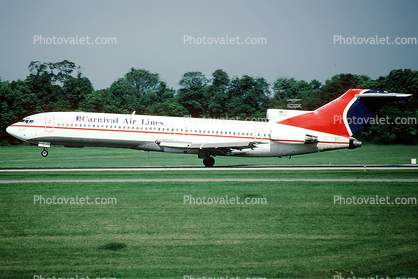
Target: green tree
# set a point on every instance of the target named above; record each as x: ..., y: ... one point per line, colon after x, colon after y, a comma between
x: 289, y: 88
x: 400, y: 81
x: 192, y: 94
x: 217, y: 94
x: 163, y: 102
x: 7, y: 113
x: 133, y: 92
x: 248, y: 97
x: 58, y: 86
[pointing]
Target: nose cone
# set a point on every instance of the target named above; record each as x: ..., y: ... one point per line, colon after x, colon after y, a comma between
x: 14, y: 131
x: 9, y: 130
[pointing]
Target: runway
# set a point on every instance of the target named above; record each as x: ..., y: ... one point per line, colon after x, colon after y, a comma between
x: 203, y: 180
x: 221, y: 168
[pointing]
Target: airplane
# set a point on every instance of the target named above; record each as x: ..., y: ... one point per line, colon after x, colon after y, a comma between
x: 284, y: 133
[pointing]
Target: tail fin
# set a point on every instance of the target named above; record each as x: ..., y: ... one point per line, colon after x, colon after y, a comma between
x: 346, y: 114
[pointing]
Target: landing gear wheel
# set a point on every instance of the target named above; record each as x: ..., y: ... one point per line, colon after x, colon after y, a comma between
x: 44, y: 153
x: 209, y: 162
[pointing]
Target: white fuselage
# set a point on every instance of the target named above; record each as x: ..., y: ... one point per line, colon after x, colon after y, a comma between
x: 173, y: 134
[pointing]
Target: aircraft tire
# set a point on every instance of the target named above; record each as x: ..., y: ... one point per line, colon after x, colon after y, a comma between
x: 44, y: 153
x: 209, y: 162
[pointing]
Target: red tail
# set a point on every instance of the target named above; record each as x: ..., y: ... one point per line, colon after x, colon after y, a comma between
x: 345, y: 115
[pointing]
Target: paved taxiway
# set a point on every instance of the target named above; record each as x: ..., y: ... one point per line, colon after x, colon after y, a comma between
x: 222, y: 168
x: 205, y: 180
x: 231, y: 168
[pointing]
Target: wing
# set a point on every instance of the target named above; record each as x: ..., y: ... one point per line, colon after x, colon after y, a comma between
x: 215, y: 148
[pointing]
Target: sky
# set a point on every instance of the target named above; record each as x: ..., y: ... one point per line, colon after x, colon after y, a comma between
x: 300, y: 39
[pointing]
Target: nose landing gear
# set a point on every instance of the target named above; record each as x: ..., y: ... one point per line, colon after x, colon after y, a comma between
x: 44, y: 152
x: 45, y: 145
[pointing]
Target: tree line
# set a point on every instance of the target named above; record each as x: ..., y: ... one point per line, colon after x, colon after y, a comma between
x: 61, y: 86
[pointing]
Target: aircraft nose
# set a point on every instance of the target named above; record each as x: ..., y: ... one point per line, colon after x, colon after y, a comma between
x: 14, y: 131
x: 9, y: 130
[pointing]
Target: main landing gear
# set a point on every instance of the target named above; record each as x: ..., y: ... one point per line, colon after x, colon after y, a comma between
x: 44, y: 152
x: 209, y: 162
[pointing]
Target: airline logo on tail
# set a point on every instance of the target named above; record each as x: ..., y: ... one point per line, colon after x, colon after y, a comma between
x: 345, y: 115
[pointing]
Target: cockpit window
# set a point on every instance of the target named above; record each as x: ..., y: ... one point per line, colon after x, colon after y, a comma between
x: 26, y: 120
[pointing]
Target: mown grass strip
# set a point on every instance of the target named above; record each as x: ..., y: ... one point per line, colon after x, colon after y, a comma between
x: 152, y: 232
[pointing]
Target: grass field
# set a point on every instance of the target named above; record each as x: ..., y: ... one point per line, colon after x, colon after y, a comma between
x: 29, y: 157
x: 297, y: 231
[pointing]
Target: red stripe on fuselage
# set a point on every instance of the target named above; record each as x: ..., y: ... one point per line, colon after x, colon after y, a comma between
x: 138, y: 131
x: 166, y: 133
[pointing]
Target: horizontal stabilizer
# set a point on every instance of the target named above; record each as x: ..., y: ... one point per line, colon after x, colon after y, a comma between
x: 282, y: 114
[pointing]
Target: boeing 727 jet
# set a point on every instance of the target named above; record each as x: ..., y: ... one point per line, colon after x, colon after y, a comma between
x: 286, y: 133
